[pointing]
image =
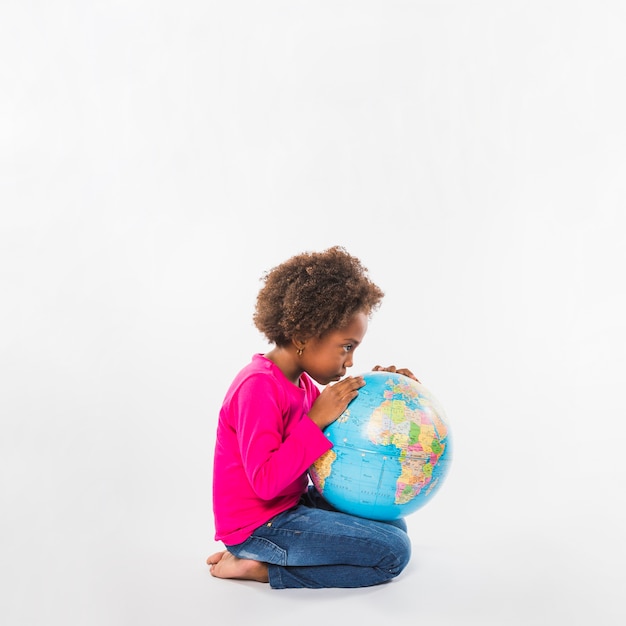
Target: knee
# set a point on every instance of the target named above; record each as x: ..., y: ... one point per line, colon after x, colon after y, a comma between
x: 399, y: 554
x: 405, y: 551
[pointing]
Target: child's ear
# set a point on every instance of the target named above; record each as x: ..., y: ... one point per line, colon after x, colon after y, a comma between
x: 298, y: 343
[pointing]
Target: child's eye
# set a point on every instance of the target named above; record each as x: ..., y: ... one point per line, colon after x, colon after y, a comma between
x: 348, y: 347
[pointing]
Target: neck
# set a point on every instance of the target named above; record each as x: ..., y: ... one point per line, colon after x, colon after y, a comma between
x: 286, y: 360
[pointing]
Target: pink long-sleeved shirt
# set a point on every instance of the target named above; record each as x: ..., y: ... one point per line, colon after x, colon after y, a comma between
x: 265, y: 444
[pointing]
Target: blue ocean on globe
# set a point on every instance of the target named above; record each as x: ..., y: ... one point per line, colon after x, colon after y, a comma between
x: 391, y: 451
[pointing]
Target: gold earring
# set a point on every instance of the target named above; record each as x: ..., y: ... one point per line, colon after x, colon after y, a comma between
x: 300, y: 351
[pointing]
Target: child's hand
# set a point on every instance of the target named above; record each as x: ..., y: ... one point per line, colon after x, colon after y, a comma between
x: 392, y: 368
x: 334, y: 399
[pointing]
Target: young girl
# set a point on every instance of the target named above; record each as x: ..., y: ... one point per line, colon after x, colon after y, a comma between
x: 314, y: 309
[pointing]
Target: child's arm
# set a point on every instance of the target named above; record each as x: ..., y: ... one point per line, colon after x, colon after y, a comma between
x: 276, y: 445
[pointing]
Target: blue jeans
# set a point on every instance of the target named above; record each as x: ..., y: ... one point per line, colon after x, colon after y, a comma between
x: 313, y: 545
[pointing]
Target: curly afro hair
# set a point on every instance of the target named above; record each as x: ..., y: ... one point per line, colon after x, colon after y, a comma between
x: 313, y: 293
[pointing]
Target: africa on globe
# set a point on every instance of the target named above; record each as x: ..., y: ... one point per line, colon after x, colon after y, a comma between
x: 391, y: 450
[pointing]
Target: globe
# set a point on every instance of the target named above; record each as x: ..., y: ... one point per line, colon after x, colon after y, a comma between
x: 391, y: 450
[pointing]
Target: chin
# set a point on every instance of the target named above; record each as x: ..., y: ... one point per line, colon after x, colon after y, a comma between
x: 326, y: 380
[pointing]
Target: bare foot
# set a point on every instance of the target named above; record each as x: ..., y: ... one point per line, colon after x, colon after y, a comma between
x: 226, y: 565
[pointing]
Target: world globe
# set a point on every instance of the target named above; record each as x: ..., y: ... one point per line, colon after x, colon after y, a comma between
x: 391, y: 450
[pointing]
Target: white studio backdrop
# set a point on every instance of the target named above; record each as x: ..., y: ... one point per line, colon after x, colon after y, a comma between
x: 158, y: 157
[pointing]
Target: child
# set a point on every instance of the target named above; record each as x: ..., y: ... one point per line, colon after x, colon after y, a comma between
x: 314, y: 309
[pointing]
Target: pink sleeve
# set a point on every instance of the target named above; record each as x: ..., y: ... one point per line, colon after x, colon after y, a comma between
x: 277, y: 440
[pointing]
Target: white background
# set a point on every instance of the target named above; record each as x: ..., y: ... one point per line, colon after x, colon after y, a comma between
x: 157, y: 157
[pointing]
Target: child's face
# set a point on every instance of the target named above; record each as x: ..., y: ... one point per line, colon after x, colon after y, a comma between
x: 327, y: 359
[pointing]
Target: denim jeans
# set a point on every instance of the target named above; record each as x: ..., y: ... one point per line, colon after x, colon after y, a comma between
x: 313, y: 545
